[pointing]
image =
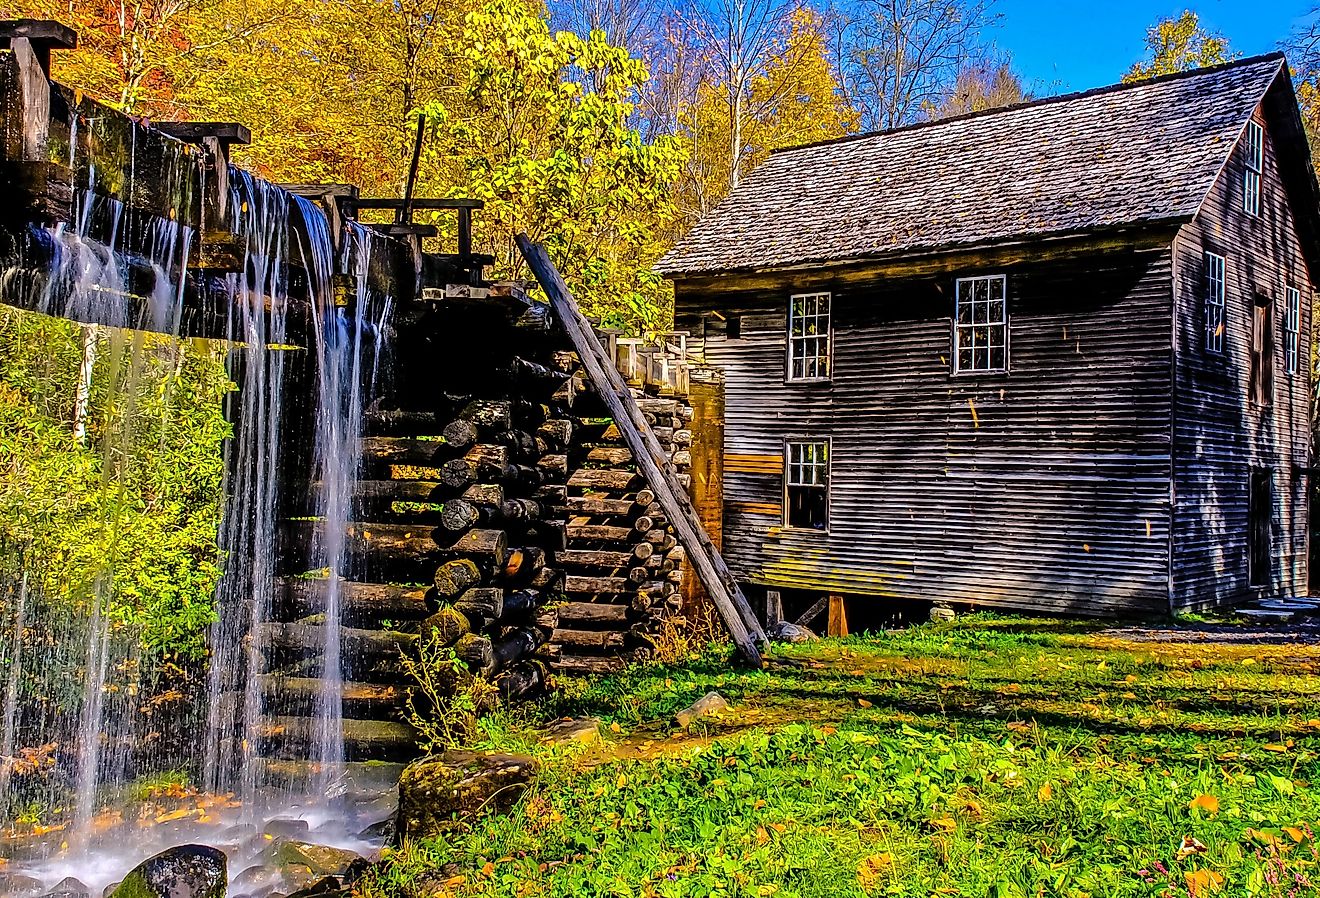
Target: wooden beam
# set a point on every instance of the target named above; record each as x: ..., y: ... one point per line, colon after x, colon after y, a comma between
x: 651, y: 459
x: 816, y: 610
x: 838, y: 624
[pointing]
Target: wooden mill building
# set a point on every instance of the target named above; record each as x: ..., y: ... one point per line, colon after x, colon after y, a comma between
x: 1052, y: 357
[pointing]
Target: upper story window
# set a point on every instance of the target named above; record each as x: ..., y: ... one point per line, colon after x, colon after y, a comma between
x: 1255, y: 150
x: 807, y: 485
x: 1214, y: 302
x: 980, y: 324
x: 1262, y: 350
x: 1292, y: 329
x: 809, y: 336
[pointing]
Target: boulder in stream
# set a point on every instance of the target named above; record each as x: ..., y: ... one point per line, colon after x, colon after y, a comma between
x: 69, y: 887
x: 455, y: 786
x: 188, y: 871
x: 16, y: 885
x: 320, y: 859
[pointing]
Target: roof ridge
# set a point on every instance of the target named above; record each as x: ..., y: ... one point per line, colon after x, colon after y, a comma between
x: 1043, y: 101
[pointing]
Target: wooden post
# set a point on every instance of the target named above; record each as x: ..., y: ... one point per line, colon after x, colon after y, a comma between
x: 838, y: 625
x: 774, y: 607
x: 650, y: 458
x: 706, y: 396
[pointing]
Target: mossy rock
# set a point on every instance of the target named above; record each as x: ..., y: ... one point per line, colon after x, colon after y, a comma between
x: 188, y: 871
x: 454, y: 787
x: 320, y: 859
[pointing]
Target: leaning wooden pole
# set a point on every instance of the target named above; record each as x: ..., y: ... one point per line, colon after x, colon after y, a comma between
x: 651, y: 459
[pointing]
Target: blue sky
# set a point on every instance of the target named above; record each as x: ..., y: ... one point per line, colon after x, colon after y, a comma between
x: 1066, y: 45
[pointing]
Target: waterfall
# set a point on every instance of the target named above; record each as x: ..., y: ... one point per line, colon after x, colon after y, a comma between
x: 248, y: 531
x: 348, y: 330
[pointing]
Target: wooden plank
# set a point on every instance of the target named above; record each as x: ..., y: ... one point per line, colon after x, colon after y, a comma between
x: 838, y: 623
x: 816, y: 610
x: 597, y: 505
x: 651, y: 460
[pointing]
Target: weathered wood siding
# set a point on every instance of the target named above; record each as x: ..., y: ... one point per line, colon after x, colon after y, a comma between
x: 1046, y: 487
x: 1220, y: 435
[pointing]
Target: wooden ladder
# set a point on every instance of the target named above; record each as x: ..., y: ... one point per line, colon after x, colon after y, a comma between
x: 651, y: 459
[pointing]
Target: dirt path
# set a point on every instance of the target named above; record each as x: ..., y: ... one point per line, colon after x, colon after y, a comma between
x: 1304, y: 632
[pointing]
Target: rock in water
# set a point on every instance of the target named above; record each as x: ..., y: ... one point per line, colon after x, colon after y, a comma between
x: 320, y: 859
x: 789, y: 632
x: 14, y: 885
x: 708, y: 704
x: 68, y: 887
x: 440, y: 790
x: 188, y: 871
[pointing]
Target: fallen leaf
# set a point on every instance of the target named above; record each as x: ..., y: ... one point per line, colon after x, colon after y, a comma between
x: 1189, y: 847
x: 1045, y: 792
x: 863, y: 703
x: 615, y: 728
x: 488, y: 869
x: 1018, y: 726
x: 1207, y: 803
x: 944, y: 824
x: 1202, y: 882
x: 1275, y: 747
x: 1294, y: 833
x: 872, y: 870
x: 762, y: 836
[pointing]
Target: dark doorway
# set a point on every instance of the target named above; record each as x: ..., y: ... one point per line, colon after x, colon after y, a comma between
x: 1260, y: 515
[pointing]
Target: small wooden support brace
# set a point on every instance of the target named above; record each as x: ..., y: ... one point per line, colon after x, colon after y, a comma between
x: 816, y: 610
x: 43, y: 35
x: 838, y: 623
x: 651, y: 459
x: 215, y: 138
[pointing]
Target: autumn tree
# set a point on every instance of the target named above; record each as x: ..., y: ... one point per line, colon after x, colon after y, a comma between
x: 900, y: 58
x: 738, y: 37
x: 1303, y: 49
x: 980, y: 86
x: 794, y: 99
x: 1176, y: 45
x: 542, y: 136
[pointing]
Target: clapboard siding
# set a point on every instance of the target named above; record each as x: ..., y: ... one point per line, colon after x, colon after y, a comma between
x: 1219, y: 435
x: 1045, y: 488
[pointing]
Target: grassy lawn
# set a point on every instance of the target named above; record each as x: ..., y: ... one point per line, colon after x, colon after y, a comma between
x: 987, y: 757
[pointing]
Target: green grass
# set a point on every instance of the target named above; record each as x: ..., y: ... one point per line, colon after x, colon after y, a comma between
x: 987, y: 757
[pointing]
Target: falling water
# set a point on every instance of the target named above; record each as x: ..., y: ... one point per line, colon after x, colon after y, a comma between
x: 248, y: 531
x: 348, y: 332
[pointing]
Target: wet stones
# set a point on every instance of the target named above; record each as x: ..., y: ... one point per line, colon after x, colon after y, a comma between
x: 188, y: 871
x: 69, y: 887
x: 439, y: 791
x: 320, y: 859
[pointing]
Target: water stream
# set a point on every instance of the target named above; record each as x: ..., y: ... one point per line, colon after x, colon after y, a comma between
x: 95, y: 274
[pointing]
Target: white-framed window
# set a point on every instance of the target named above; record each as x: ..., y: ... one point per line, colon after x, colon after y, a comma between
x: 1292, y: 328
x: 1214, y: 302
x: 807, y: 484
x: 1254, y: 144
x: 809, y: 336
x: 980, y: 324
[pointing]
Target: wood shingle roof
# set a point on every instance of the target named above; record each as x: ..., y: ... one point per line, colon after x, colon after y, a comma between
x: 1117, y: 156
